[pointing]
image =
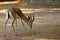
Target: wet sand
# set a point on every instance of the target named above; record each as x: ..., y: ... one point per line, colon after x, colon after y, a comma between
x: 45, y: 27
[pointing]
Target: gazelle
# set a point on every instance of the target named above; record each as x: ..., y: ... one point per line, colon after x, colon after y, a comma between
x: 14, y: 12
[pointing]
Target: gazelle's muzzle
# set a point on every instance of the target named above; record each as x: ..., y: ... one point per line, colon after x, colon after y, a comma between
x: 31, y: 20
x: 30, y: 24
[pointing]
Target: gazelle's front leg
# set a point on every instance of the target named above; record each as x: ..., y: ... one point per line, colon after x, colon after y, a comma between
x: 22, y: 22
x: 23, y: 25
x: 16, y: 23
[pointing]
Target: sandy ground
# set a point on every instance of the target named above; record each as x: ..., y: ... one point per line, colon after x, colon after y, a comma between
x: 46, y: 26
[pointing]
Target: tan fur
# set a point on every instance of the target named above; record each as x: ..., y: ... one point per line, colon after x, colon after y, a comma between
x: 17, y: 12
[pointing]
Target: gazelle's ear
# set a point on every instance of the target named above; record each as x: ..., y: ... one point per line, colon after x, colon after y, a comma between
x: 28, y: 17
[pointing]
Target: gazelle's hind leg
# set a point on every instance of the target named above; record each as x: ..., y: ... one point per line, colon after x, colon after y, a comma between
x: 6, y: 23
x: 14, y: 19
x: 13, y: 25
x: 7, y: 18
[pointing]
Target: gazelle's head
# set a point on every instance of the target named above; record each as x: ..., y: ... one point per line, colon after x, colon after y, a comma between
x: 31, y: 20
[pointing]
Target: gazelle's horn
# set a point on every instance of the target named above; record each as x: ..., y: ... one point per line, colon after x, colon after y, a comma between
x: 31, y: 19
